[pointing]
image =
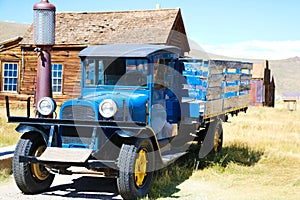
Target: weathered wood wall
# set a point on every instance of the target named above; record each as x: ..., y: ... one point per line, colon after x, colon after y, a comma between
x: 27, y: 61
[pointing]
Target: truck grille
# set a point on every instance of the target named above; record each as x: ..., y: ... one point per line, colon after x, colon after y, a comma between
x: 78, y: 113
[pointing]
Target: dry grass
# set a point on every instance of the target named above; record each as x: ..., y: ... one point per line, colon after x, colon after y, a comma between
x: 260, y: 160
x: 8, y: 135
x: 4, y: 175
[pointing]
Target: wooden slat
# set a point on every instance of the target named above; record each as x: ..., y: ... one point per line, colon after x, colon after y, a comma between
x: 243, y: 100
x: 246, y: 77
x: 233, y: 65
x: 213, y: 97
x: 230, y: 103
x: 217, y: 64
x: 232, y: 77
x: 231, y: 88
x: 215, y: 70
x: 215, y: 80
x: 247, y: 66
x: 245, y: 87
x: 213, y: 107
x: 213, y: 91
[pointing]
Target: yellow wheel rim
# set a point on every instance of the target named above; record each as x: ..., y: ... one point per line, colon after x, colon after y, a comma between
x: 217, y: 140
x: 140, y: 170
x: 39, y: 171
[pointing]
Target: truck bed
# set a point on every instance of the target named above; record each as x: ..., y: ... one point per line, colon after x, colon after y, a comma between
x: 215, y: 87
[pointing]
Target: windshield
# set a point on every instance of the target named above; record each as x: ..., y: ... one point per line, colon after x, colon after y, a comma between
x: 117, y: 72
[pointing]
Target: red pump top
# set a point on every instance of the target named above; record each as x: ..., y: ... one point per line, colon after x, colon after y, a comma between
x: 44, y: 5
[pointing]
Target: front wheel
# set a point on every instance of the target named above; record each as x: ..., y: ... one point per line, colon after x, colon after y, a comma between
x: 31, y: 178
x: 136, y: 165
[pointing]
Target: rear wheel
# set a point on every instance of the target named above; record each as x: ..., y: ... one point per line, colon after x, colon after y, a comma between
x: 31, y: 178
x: 136, y: 165
x: 218, y: 137
x: 213, y: 140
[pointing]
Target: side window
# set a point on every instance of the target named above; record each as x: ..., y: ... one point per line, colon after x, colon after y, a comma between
x: 163, y: 72
x: 57, y: 78
x: 90, y: 72
x: 10, y: 77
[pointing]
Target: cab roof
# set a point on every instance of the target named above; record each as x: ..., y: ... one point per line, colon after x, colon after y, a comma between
x: 127, y: 50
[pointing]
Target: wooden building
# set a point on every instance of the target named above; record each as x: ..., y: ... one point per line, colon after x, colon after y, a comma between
x: 74, y: 32
x: 291, y: 100
x: 262, y: 92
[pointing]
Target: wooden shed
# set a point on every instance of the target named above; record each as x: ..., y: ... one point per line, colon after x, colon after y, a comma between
x: 74, y: 32
x: 262, y: 92
x: 291, y: 100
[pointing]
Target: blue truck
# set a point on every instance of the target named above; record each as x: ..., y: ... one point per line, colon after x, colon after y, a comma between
x: 140, y: 108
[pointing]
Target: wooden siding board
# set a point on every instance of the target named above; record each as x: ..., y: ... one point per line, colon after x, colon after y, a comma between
x: 27, y: 74
x: 213, y: 107
x: 234, y: 88
x: 230, y: 103
x: 246, y: 77
x: 232, y: 77
x: 215, y: 80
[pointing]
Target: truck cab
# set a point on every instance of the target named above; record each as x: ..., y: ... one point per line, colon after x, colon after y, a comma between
x: 128, y: 83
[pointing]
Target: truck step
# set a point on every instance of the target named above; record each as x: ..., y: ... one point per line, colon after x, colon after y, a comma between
x: 169, y: 158
x: 68, y: 155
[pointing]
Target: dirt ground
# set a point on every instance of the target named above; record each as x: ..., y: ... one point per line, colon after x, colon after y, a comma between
x: 66, y: 187
x: 196, y: 187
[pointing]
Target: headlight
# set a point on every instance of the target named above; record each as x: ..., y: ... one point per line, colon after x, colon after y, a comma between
x: 46, y: 106
x: 108, y: 108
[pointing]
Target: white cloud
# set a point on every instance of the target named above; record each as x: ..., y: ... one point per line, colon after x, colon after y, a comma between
x: 256, y: 49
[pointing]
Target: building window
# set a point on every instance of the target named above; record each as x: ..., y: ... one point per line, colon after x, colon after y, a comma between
x: 10, y: 77
x: 57, y: 78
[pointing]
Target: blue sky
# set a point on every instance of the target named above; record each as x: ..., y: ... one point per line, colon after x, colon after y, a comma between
x: 240, y: 28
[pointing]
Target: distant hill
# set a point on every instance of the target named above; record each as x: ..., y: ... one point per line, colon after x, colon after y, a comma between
x: 286, y: 72
x: 10, y: 30
x: 287, y: 75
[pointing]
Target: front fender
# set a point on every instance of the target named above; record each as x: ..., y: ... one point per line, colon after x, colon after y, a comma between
x: 147, y: 132
x: 28, y: 129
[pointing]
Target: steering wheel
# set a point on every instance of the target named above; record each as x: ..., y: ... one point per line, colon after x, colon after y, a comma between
x: 135, y: 78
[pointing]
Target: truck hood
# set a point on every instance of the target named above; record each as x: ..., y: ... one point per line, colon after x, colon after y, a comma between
x: 134, y: 103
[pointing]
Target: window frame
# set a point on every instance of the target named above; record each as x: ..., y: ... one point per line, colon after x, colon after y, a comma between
x: 61, y: 77
x: 10, y: 77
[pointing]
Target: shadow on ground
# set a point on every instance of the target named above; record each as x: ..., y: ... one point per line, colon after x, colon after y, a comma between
x: 86, y: 187
x: 167, y: 179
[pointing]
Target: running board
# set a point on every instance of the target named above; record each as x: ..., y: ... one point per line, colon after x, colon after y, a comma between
x: 170, y: 158
x: 60, y: 156
x: 68, y: 155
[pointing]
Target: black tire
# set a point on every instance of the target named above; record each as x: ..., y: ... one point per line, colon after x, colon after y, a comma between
x: 218, y: 137
x: 130, y: 185
x: 31, y: 178
x: 212, y: 143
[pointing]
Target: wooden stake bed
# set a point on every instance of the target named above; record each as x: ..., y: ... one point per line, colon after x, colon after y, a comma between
x: 74, y: 155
